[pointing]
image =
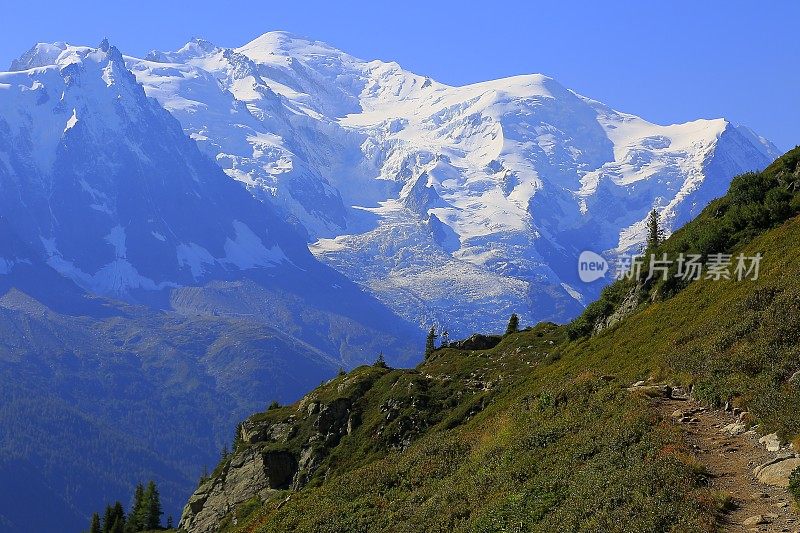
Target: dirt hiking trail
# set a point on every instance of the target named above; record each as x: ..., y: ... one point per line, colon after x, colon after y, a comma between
x: 730, y: 454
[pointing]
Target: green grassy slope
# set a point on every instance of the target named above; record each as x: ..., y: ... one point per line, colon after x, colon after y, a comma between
x: 540, y: 433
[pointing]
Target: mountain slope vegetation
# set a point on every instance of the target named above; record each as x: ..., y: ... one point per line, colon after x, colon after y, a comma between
x: 542, y: 432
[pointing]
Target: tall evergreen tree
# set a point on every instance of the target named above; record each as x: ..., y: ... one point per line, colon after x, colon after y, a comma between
x: 137, y: 515
x: 513, y: 324
x: 119, y: 512
x: 655, y: 235
x: 95, y: 524
x: 430, y: 342
x: 380, y: 362
x: 108, y: 519
x: 153, y: 511
x: 118, y: 526
x: 237, y: 436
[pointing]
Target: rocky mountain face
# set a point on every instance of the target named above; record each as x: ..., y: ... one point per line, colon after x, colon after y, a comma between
x: 453, y: 205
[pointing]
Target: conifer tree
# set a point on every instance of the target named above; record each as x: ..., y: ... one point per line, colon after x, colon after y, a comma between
x: 136, y: 518
x: 380, y: 362
x: 108, y: 519
x: 118, y: 526
x: 513, y: 324
x: 152, y: 505
x: 655, y: 235
x: 119, y: 513
x: 237, y: 436
x: 95, y: 524
x: 430, y: 342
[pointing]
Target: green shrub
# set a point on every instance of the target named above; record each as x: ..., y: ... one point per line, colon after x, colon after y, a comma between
x: 794, y: 484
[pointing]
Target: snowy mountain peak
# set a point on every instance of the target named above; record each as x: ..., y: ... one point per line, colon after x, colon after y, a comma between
x: 499, y: 184
x: 104, y: 187
x: 192, y: 50
x: 282, y: 43
x: 40, y: 54
x: 476, y: 199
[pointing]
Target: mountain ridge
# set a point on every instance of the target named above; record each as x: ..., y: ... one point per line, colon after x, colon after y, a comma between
x: 519, y: 167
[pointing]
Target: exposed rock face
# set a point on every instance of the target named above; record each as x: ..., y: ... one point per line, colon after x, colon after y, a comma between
x: 333, y: 421
x: 250, y: 473
x: 257, y: 469
x: 736, y: 428
x: 477, y: 342
x: 627, y: 306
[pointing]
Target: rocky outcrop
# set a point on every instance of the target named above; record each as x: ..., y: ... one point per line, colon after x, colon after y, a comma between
x: 274, y: 454
x: 331, y: 422
x: 625, y: 308
x: 477, y: 342
x: 251, y: 473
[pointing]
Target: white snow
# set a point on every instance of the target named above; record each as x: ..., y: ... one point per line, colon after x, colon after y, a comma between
x: 248, y: 251
x: 71, y: 121
x: 195, y: 257
x: 116, y: 278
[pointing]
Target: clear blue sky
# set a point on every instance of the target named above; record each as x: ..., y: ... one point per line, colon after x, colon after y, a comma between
x: 667, y: 61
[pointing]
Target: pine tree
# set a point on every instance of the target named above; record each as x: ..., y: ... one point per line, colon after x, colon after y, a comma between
x: 95, y: 525
x: 136, y: 518
x: 513, y: 324
x: 237, y: 436
x: 430, y: 342
x: 380, y: 362
x: 118, y: 526
x: 108, y: 519
x: 119, y: 513
x: 152, y: 506
x: 445, y: 339
x: 169, y: 522
x: 655, y: 235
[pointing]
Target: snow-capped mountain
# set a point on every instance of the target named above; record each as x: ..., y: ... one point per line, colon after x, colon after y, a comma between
x: 101, y: 184
x: 455, y: 205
